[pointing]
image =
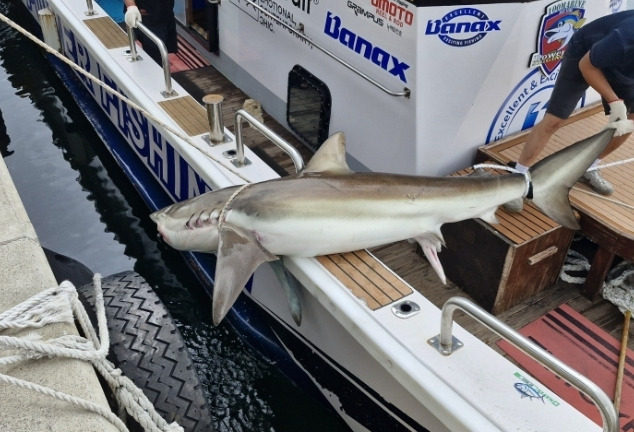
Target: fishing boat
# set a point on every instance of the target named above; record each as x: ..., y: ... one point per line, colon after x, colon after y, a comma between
x: 417, y: 87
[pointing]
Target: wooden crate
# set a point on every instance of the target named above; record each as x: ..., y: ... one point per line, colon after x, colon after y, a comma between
x: 502, y: 265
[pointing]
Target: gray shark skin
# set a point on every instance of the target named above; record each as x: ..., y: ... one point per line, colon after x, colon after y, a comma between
x: 327, y: 208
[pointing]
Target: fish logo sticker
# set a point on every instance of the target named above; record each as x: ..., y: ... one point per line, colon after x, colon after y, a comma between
x: 528, y: 391
x: 561, y: 20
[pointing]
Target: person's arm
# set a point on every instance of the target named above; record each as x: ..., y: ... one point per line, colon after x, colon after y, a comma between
x: 597, y: 80
x: 132, y: 13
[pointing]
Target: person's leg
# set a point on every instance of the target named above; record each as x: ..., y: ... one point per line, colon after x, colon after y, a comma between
x: 594, y: 177
x: 538, y: 138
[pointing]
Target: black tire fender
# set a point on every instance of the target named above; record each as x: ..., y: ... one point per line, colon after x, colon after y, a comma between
x: 148, y: 347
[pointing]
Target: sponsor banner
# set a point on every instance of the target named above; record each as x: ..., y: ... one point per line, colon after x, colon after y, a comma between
x: 525, y: 106
x: 512, y: 53
x: 291, y: 12
x: 377, y: 36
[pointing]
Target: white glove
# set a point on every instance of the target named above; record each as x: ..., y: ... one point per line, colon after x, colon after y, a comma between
x: 618, y: 111
x: 133, y: 16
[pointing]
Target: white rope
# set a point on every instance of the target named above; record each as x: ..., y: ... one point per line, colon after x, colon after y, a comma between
x: 526, y: 174
x: 41, y: 309
x: 611, y: 164
x: 115, y: 93
x: 619, y: 289
x: 227, y: 206
x: 575, y: 262
x: 604, y: 198
x: 35, y: 312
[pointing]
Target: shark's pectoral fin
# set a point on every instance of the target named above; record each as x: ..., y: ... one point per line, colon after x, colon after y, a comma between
x: 431, y: 243
x: 239, y: 254
x: 291, y: 289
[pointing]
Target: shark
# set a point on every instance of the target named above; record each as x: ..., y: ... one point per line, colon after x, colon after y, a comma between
x: 327, y: 208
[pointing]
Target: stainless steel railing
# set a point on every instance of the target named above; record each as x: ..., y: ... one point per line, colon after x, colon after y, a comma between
x: 169, y: 91
x: 446, y: 343
x: 242, y: 115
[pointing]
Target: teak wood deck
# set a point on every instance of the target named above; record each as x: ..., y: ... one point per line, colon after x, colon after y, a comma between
x: 386, y: 267
x: 608, y: 221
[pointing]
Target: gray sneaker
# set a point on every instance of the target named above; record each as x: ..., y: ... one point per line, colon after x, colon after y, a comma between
x: 515, y: 206
x: 597, y: 182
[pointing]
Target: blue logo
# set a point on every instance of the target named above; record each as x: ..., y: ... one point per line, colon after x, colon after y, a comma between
x: 364, y: 47
x: 462, y: 27
x: 615, y: 5
x: 525, y: 105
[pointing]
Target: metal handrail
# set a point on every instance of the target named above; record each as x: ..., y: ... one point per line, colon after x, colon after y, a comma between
x: 90, y: 11
x: 169, y: 91
x: 447, y: 343
x: 242, y: 115
x: 405, y: 93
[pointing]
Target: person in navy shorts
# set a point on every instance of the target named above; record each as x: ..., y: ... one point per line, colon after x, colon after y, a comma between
x: 599, y: 55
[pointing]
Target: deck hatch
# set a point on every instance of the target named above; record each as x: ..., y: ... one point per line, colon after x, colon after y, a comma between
x: 188, y: 113
x: 108, y: 32
x: 366, y: 277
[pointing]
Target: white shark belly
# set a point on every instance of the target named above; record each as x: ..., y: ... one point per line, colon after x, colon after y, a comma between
x: 307, y: 238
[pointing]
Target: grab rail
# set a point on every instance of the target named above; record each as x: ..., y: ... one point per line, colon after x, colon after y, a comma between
x: 405, y: 93
x: 241, y: 115
x: 446, y: 343
x: 169, y: 91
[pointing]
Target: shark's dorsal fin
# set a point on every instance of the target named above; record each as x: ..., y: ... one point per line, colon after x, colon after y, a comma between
x: 331, y: 156
x: 239, y: 254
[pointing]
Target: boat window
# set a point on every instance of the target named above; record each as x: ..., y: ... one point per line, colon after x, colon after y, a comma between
x: 202, y: 19
x: 308, y: 108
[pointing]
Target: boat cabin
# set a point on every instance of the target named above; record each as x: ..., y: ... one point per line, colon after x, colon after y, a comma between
x: 430, y: 81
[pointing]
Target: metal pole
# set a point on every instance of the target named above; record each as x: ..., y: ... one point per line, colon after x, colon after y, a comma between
x: 213, y: 103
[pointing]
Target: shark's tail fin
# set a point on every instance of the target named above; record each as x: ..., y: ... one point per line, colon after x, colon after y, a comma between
x: 553, y: 177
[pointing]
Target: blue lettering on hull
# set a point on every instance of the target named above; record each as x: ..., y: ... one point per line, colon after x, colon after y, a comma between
x: 370, y: 51
x: 174, y: 174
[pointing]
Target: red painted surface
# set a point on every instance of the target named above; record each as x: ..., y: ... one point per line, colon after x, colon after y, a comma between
x: 585, y: 347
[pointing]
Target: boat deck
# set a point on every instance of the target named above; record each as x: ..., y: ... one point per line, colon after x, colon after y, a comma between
x: 608, y: 221
x: 402, y: 257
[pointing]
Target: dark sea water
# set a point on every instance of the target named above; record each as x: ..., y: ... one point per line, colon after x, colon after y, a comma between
x: 83, y: 207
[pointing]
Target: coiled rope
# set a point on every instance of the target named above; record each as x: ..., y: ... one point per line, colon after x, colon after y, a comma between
x: 61, y: 305
x: 115, y: 93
